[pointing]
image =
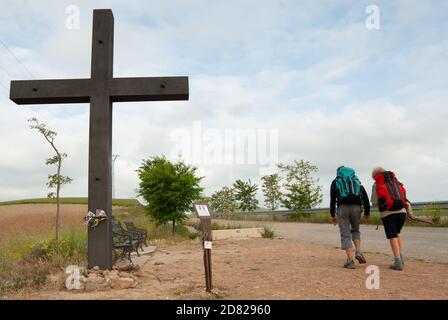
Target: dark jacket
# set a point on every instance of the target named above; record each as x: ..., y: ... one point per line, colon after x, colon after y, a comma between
x: 336, y: 202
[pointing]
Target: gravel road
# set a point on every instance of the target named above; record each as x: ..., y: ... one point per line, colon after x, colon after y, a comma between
x: 428, y: 244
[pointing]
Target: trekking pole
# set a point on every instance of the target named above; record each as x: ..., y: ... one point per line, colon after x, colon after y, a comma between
x: 412, y: 218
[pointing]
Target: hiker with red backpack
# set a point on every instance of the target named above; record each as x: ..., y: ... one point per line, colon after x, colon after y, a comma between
x: 389, y: 195
x: 348, y: 194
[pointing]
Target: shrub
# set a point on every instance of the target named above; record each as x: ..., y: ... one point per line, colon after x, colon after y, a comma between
x: 28, y: 262
x: 433, y: 210
x: 268, y: 233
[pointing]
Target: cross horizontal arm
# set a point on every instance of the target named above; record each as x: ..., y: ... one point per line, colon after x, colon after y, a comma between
x: 148, y: 89
x: 81, y: 90
x: 50, y: 91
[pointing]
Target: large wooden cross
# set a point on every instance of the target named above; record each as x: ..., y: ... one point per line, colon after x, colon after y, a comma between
x: 101, y: 90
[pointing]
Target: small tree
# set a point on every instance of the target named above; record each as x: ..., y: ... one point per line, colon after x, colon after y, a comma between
x: 245, y: 193
x: 271, y: 191
x: 223, y: 201
x: 54, y: 180
x: 168, y: 188
x: 303, y: 192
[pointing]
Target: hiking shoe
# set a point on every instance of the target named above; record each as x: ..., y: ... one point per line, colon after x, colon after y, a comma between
x: 360, y: 258
x: 397, y: 266
x: 401, y: 258
x: 349, y: 264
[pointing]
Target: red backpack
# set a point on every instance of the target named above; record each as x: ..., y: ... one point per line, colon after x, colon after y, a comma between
x: 390, y: 192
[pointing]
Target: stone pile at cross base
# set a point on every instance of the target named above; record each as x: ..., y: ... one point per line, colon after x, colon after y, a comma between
x: 96, y: 279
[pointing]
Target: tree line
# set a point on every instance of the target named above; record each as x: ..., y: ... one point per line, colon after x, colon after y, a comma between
x: 170, y: 188
x: 294, y: 188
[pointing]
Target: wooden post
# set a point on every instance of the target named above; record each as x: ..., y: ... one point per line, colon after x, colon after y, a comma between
x: 207, y: 236
x: 100, y: 140
x: 206, y: 228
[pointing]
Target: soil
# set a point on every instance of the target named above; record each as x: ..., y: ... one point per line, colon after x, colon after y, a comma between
x: 265, y: 269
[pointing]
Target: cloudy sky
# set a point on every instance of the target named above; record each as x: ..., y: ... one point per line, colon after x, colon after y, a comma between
x: 307, y: 79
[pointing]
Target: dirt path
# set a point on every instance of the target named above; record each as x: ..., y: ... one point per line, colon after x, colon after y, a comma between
x: 429, y: 244
x: 267, y: 269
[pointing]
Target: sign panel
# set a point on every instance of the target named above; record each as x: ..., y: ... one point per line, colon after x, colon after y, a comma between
x: 202, y: 210
x: 207, y: 245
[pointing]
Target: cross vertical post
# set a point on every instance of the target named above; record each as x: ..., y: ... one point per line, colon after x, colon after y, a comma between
x: 100, y: 139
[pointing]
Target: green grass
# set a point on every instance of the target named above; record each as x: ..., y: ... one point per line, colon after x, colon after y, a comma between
x: 215, y: 225
x: 138, y: 215
x: 324, y: 217
x: 374, y: 219
x: 268, y: 233
x: 69, y: 200
x: 28, y: 261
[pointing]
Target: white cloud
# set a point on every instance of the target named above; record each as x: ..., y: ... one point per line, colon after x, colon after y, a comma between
x: 276, y: 65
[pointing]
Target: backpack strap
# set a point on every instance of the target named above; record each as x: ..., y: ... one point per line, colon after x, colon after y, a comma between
x: 393, y: 186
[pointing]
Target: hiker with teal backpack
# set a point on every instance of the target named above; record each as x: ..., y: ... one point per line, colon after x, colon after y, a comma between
x: 349, y: 196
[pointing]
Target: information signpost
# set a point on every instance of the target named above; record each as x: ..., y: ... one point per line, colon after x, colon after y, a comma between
x: 206, y: 227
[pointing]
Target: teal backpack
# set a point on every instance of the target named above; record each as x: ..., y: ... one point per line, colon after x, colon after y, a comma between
x: 348, y: 186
